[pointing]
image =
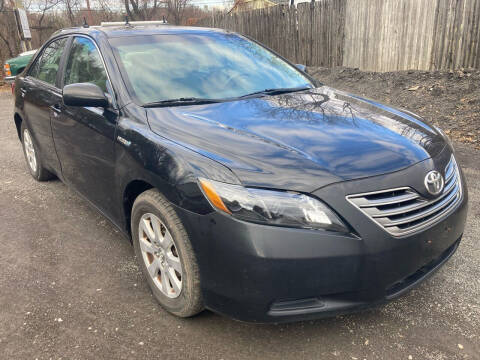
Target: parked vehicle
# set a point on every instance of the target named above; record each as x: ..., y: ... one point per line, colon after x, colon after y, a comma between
x: 15, y: 66
x: 246, y: 187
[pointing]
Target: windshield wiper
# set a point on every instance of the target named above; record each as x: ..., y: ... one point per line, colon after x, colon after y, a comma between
x: 180, y: 101
x: 197, y: 101
x: 277, y: 91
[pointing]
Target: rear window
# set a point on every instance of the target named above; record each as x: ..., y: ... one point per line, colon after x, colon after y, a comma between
x: 46, y: 66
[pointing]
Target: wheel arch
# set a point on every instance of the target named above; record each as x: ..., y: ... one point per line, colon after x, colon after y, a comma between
x: 132, y: 190
x: 150, y: 161
x: 18, y: 123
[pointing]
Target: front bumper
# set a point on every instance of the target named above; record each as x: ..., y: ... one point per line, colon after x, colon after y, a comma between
x: 9, y: 79
x: 262, y: 273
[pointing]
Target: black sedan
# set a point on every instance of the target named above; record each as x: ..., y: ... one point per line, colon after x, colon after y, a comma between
x: 245, y: 186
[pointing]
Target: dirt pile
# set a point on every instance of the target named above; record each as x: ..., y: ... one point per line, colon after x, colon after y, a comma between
x: 450, y: 100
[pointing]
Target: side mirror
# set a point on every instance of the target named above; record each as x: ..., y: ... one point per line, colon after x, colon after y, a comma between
x: 84, y: 94
x: 301, y: 67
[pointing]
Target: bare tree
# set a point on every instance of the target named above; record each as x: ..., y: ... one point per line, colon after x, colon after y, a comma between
x: 9, y: 41
x: 143, y: 9
x: 176, y: 10
x: 132, y: 9
x: 153, y: 9
x: 43, y: 7
x: 47, y: 16
x: 71, y: 6
x: 108, y: 10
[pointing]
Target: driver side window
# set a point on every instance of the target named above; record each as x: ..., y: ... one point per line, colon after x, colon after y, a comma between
x: 85, y: 64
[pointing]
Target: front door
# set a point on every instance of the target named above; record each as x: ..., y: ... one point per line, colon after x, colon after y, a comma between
x: 84, y: 136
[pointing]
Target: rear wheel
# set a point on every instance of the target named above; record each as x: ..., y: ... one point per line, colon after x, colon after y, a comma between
x: 34, y: 161
x: 165, y: 254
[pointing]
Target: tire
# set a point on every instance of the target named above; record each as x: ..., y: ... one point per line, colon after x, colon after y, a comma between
x: 32, y: 156
x: 149, y: 207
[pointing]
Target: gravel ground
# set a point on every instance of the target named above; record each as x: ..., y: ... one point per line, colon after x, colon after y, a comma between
x: 70, y: 289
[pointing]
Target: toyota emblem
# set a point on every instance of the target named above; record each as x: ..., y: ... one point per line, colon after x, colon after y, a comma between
x: 434, y: 182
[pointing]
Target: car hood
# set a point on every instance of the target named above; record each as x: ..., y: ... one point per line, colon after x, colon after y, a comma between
x: 20, y: 60
x: 300, y: 141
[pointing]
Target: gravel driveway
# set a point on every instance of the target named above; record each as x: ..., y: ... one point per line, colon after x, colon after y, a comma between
x: 70, y: 289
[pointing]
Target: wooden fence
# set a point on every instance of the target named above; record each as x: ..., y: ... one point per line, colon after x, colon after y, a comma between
x: 376, y: 35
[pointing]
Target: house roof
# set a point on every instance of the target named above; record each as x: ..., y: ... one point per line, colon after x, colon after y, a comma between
x: 245, y: 5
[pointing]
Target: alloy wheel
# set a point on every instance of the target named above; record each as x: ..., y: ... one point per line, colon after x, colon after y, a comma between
x: 29, y: 150
x: 160, y: 255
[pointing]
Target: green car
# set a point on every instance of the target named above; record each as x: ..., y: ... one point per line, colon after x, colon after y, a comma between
x: 15, y: 66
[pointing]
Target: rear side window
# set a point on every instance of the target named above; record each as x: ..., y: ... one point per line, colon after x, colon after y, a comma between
x: 46, y: 67
x: 85, y: 64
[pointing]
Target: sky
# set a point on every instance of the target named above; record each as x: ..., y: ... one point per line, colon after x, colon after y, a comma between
x: 213, y: 3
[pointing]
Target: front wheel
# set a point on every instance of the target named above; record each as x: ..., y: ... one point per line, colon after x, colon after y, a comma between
x: 165, y: 255
x: 32, y: 157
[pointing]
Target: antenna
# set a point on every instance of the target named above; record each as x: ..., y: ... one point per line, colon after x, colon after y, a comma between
x: 85, y: 24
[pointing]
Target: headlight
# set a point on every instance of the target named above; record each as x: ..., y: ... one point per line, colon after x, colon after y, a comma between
x: 279, y: 208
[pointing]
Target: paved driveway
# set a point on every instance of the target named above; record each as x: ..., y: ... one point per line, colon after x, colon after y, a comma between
x: 69, y: 288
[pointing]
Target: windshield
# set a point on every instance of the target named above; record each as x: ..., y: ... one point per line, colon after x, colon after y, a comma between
x: 207, y: 66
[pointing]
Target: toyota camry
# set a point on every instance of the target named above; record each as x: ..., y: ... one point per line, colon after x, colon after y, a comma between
x: 246, y: 187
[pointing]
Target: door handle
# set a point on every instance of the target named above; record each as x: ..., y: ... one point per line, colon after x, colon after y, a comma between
x: 23, y: 91
x: 56, y: 109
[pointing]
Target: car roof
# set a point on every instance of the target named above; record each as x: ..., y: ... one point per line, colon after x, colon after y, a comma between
x: 29, y: 52
x: 137, y: 30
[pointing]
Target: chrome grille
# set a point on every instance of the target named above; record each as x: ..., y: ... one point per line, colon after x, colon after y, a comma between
x: 403, y: 211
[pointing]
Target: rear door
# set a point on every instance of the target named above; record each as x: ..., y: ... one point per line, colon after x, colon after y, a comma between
x: 40, y: 95
x: 84, y: 136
